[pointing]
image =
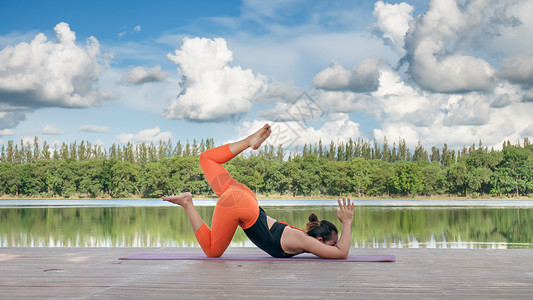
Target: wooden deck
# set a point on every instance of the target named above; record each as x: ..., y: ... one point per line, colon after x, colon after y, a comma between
x: 96, y: 273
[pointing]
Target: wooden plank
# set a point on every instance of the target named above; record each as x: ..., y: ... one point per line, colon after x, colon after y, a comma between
x: 43, y: 273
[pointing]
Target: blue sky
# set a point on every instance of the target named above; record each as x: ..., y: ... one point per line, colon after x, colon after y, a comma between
x: 440, y: 71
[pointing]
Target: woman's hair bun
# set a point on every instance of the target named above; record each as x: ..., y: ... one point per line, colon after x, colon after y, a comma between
x: 316, y: 228
x: 312, y: 224
x: 313, y: 218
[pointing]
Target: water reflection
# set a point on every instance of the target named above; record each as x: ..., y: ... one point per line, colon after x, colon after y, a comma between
x: 374, y: 227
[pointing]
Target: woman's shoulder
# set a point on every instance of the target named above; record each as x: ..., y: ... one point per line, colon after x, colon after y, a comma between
x: 295, y: 233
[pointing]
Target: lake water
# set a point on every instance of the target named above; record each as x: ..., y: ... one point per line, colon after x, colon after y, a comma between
x: 377, y: 223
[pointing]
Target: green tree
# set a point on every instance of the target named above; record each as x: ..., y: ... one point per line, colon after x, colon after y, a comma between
x: 407, y: 179
x: 433, y: 178
x: 380, y: 173
x: 155, y: 180
x: 257, y: 181
x: 124, y: 179
x: 519, y: 163
x: 335, y: 179
x: 91, y: 177
x: 358, y: 172
x: 457, y: 178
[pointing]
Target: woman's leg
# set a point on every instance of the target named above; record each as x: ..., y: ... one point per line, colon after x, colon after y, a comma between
x: 185, y: 201
x: 212, y: 159
x: 255, y: 140
x: 231, y: 209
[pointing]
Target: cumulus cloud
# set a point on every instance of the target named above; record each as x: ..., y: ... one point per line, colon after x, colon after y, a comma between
x: 396, y: 98
x: 393, y: 23
x: 51, y: 129
x: 456, y: 119
x: 211, y: 89
x: 363, y: 78
x: 454, y: 94
x: 140, y: 75
x: 93, y: 128
x: 43, y: 73
x: 144, y: 136
x: 518, y: 69
x: 137, y: 28
x: 436, y: 48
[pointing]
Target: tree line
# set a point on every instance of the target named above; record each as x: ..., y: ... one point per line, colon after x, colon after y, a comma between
x: 357, y: 167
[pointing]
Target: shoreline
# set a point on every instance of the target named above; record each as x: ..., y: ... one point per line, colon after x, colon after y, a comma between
x: 289, y: 197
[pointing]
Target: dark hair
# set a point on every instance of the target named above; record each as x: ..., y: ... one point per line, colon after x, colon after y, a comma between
x: 323, y: 229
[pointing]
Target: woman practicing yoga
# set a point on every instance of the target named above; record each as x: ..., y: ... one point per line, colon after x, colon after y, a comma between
x: 237, y: 206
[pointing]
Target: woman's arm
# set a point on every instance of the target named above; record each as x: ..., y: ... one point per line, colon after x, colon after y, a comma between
x: 304, y: 243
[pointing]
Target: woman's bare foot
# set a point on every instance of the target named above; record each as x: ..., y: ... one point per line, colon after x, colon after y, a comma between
x: 259, y: 136
x: 181, y: 199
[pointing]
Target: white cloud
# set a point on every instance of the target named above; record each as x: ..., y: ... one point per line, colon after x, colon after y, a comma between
x: 93, y: 128
x: 212, y: 90
x: 436, y: 45
x: 455, y: 119
x: 137, y: 28
x: 397, y: 98
x: 140, y: 75
x: 454, y: 94
x: 49, y: 74
x: 51, y: 129
x: 363, y: 78
x: 144, y: 136
x: 393, y: 23
x: 44, y: 73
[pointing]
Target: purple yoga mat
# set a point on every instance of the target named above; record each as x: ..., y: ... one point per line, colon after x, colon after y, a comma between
x: 258, y: 257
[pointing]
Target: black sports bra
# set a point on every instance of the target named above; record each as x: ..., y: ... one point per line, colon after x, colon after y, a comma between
x: 269, y: 240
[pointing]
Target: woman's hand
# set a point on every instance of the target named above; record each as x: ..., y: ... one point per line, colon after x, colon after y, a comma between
x: 345, y: 211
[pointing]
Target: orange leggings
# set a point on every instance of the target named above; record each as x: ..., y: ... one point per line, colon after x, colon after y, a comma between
x: 236, y: 206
